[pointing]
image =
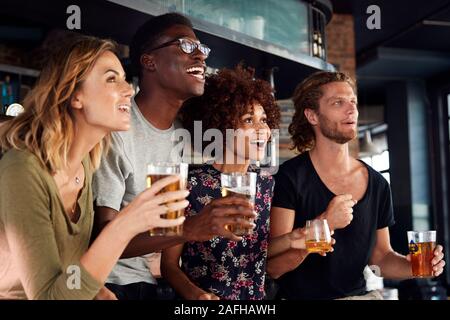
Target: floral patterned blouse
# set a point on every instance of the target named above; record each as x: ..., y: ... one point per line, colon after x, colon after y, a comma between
x: 229, y: 269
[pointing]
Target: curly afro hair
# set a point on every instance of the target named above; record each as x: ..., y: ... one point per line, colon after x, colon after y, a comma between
x: 226, y: 99
x: 307, y: 95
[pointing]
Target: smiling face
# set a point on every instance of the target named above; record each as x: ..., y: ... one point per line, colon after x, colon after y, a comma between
x: 254, y: 132
x: 175, y: 70
x: 337, y: 116
x: 104, y: 98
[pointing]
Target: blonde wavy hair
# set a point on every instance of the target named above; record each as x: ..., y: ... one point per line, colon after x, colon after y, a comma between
x: 46, y: 127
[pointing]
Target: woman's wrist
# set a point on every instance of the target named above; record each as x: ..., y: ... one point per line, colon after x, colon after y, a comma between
x: 121, y: 228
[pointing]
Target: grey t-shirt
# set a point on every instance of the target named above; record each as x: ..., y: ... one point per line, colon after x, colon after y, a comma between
x: 121, y: 177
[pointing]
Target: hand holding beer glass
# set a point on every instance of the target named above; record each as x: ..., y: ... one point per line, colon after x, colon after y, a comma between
x: 158, y: 171
x: 318, y: 236
x: 239, y: 184
x: 421, y: 247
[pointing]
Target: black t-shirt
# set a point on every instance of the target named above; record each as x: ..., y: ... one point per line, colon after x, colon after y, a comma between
x: 340, y: 273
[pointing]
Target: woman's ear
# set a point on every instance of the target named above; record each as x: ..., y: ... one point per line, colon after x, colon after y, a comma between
x: 148, y: 62
x: 311, y: 116
x: 75, y: 101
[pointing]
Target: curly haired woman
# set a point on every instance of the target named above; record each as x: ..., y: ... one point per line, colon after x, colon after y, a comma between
x: 222, y: 268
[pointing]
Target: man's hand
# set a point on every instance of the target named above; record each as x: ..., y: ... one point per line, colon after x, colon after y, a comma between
x: 297, y: 238
x: 105, y: 294
x: 339, y: 211
x: 211, y: 221
x: 438, y: 262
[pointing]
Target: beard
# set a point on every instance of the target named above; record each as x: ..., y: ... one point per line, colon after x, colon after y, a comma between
x: 330, y: 130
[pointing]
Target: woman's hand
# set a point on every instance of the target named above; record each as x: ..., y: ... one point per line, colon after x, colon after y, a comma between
x: 144, y: 212
x: 208, y: 296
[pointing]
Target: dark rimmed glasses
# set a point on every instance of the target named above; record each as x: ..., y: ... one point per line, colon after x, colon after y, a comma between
x: 186, y: 45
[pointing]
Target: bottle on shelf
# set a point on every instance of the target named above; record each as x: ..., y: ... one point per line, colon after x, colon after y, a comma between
x: 7, y: 93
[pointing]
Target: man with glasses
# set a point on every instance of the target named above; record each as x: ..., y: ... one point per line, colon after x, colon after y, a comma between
x: 170, y: 63
x: 187, y: 46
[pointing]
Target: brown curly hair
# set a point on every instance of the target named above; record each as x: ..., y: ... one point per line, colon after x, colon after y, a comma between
x: 306, y: 96
x: 226, y: 98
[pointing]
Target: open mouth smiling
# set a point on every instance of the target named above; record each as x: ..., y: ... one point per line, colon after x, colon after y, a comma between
x: 124, y: 108
x: 197, y: 72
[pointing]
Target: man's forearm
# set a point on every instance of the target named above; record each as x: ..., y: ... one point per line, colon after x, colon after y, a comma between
x: 395, y: 266
x: 278, y: 245
x: 285, y: 262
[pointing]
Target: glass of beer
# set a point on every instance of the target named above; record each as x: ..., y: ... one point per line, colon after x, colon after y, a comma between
x: 318, y: 236
x: 157, y: 171
x: 239, y: 184
x: 421, y: 247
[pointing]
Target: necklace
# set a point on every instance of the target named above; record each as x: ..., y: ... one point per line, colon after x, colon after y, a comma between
x: 74, y: 207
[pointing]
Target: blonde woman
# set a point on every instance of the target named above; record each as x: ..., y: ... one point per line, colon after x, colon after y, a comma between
x: 50, y: 152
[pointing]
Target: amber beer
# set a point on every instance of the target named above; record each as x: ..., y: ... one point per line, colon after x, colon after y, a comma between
x: 157, y: 172
x: 241, y: 185
x: 421, y: 247
x: 318, y: 236
x: 237, y: 229
x: 314, y: 246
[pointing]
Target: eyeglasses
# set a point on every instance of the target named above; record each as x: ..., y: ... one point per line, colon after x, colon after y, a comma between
x: 187, y: 46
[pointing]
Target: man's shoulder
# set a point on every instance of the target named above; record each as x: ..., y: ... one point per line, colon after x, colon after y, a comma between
x: 376, y: 177
x: 295, y: 164
x: 121, y: 136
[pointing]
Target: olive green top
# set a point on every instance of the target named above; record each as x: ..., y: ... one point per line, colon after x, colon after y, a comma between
x: 40, y: 247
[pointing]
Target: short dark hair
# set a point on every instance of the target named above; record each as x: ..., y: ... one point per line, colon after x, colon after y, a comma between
x: 147, y: 34
x: 307, y: 96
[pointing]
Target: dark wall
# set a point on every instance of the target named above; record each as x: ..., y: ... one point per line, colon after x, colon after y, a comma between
x: 406, y: 106
x: 438, y: 111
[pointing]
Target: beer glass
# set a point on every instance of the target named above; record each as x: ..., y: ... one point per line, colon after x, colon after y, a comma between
x: 239, y: 184
x: 157, y: 171
x: 318, y: 236
x: 421, y: 247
